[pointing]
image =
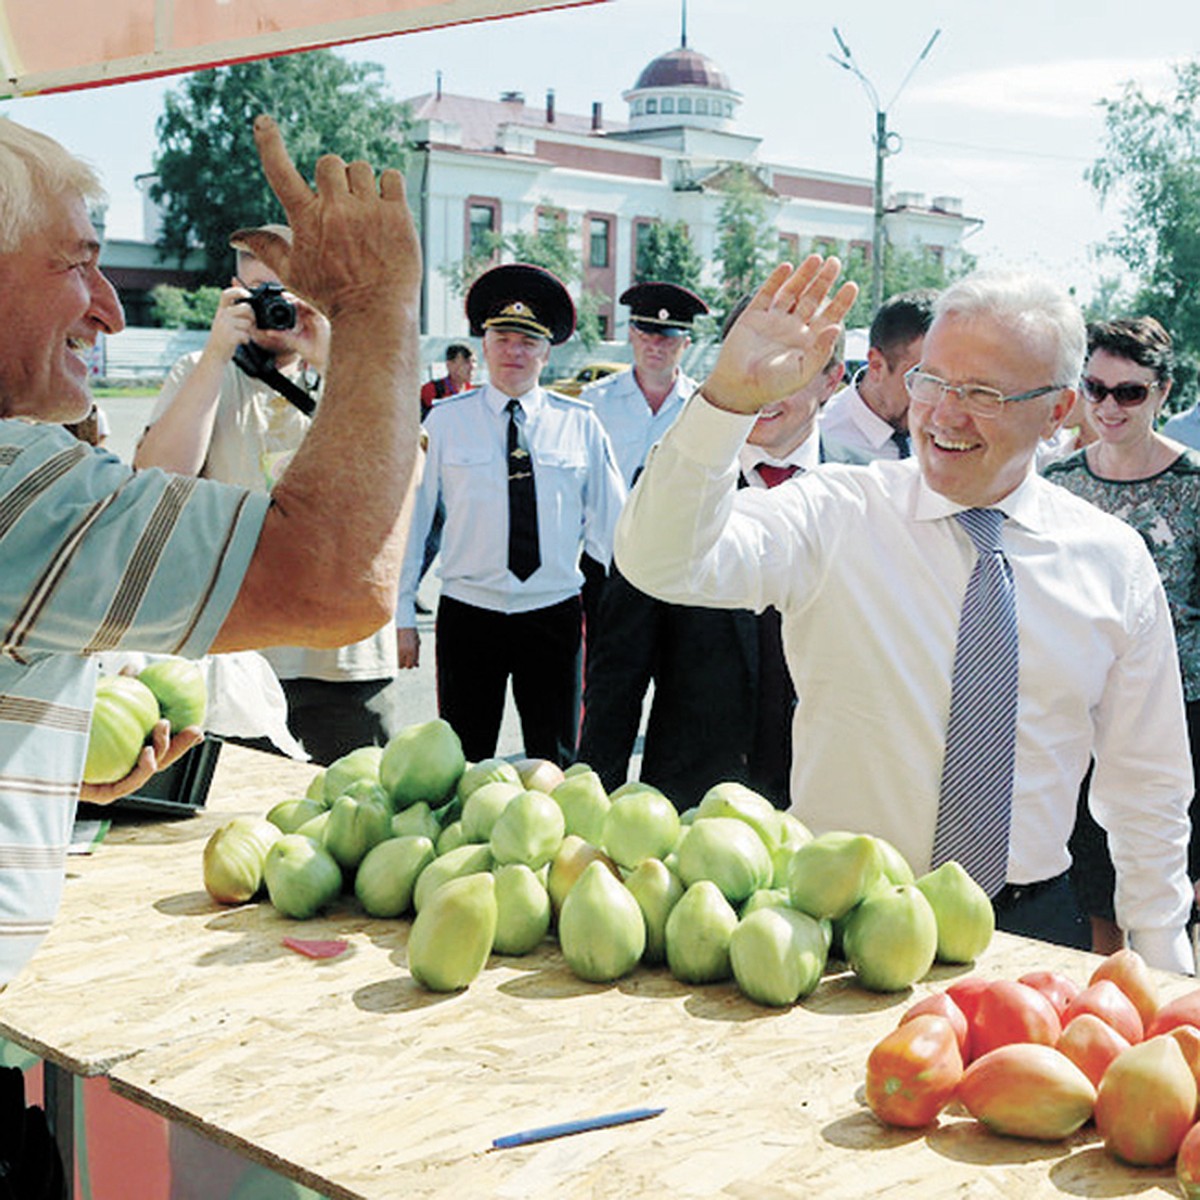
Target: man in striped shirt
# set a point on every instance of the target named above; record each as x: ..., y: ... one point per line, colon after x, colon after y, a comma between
x: 94, y: 556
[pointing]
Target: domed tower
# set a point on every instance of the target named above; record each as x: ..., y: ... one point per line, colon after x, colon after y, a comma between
x: 682, y: 87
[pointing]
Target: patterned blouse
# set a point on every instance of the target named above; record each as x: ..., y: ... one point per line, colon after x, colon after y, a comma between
x: 1165, y: 510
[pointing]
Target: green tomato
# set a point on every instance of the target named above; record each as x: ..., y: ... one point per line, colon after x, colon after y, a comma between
x: 124, y: 713
x: 302, y: 877
x: 178, y: 686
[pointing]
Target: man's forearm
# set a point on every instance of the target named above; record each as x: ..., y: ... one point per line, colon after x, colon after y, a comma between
x: 179, y: 439
x: 326, y: 567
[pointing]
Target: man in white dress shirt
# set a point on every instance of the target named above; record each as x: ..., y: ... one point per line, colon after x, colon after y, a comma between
x: 869, y: 568
x: 499, y: 618
x: 870, y: 417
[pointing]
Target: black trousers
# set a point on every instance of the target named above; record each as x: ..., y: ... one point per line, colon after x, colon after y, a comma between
x: 479, y: 651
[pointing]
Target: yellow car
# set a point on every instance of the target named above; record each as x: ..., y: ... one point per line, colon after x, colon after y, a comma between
x: 589, y: 373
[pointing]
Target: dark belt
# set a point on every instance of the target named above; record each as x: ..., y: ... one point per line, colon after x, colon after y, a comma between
x: 1014, y: 893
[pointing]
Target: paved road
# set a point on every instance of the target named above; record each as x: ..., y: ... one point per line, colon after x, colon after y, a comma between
x: 127, y: 418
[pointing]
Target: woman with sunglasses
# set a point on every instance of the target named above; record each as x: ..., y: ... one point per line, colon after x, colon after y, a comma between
x: 1153, y: 483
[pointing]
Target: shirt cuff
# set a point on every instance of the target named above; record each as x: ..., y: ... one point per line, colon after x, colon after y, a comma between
x: 1166, y: 949
x: 406, y: 612
x: 710, y: 435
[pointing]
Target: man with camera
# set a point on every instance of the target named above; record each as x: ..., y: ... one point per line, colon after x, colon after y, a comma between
x: 236, y: 412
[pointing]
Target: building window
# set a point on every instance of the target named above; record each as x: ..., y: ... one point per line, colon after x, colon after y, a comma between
x: 483, y: 224
x: 702, y: 105
x: 641, y: 235
x: 668, y: 105
x: 598, y: 235
x: 651, y: 106
x: 638, y: 108
x: 824, y: 246
x: 789, y: 248
x: 729, y: 108
x: 602, y: 323
x: 685, y: 104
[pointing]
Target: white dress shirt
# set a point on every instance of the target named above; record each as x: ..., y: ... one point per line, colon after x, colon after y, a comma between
x: 804, y: 457
x: 631, y: 426
x: 579, y: 496
x: 847, y: 420
x: 869, y: 576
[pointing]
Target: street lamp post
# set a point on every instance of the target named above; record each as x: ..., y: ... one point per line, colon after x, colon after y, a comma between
x: 886, y: 144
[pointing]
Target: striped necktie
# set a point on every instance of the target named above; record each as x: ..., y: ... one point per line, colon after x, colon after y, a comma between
x: 975, y: 809
x: 524, y: 555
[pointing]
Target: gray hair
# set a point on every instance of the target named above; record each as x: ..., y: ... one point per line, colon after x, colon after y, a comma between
x: 33, y: 168
x: 1037, y: 309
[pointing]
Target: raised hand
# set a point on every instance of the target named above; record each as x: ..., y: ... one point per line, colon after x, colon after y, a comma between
x: 783, y: 339
x: 354, y: 246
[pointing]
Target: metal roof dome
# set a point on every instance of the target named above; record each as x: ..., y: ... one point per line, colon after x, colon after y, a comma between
x: 683, y: 67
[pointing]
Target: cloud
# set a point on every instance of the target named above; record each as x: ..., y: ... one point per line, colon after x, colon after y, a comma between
x: 1066, y: 89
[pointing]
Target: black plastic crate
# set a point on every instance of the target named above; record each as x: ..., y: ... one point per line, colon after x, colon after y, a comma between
x: 181, y: 789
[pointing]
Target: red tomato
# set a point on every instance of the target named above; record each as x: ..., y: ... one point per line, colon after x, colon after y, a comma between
x: 940, y: 1004
x: 1187, y: 1165
x: 1058, y: 988
x: 1184, y: 1010
x: 1013, y: 1012
x: 966, y: 992
x: 1128, y: 970
x: 913, y: 1071
x: 1188, y: 1037
x: 1091, y: 1044
x: 1111, y: 1005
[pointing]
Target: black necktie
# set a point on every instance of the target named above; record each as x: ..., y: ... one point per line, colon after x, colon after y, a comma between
x: 900, y: 437
x: 523, y: 555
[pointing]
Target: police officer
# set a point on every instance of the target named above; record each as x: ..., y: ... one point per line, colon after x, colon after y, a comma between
x: 700, y: 726
x: 528, y: 480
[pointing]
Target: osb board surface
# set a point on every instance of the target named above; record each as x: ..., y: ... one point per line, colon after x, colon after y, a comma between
x: 383, y: 1090
x: 137, y: 950
x: 348, y: 1077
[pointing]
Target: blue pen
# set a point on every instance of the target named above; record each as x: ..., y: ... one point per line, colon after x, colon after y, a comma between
x: 568, y: 1127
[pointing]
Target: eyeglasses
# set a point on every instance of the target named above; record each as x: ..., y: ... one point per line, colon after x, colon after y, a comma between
x: 984, y: 402
x: 1127, y: 395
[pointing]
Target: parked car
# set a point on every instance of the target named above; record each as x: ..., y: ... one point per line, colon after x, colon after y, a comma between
x: 572, y: 385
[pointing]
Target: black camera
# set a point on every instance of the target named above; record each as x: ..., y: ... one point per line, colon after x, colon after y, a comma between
x: 272, y: 309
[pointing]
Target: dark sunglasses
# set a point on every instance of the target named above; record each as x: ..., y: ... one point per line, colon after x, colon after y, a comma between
x: 1127, y: 395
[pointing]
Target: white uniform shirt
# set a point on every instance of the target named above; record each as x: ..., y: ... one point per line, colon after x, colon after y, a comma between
x: 847, y: 420
x: 869, y: 575
x: 579, y: 497
x: 631, y: 426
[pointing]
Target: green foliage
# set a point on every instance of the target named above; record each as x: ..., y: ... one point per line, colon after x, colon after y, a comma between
x: 747, y: 244
x: 175, y: 308
x: 549, y: 247
x: 668, y: 255
x: 1150, y: 166
x: 209, y: 179
x: 587, y: 318
x: 903, y: 270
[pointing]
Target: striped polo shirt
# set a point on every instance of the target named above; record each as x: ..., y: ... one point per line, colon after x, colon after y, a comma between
x: 93, y: 556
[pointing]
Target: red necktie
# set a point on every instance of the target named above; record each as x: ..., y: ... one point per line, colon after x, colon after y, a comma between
x: 772, y: 476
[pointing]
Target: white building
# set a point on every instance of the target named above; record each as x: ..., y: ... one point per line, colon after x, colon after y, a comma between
x: 499, y: 166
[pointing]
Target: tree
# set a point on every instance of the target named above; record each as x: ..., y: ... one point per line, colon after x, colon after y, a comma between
x: 1150, y: 165
x: 175, y: 308
x: 209, y: 179
x: 667, y: 254
x: 747, y: 244
x: 903, y: 271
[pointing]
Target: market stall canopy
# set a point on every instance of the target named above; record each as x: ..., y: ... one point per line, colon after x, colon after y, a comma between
x: 60, y: 45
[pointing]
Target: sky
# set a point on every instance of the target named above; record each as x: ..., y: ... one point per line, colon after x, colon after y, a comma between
x: 1004, y: 111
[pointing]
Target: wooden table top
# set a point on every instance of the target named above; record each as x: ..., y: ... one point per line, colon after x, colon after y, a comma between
x: 345, y: 1075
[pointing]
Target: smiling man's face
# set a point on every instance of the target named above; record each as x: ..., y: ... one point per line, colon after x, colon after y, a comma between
x: 53, y: 303
x: 784, y: 424
x: 972, y: 460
